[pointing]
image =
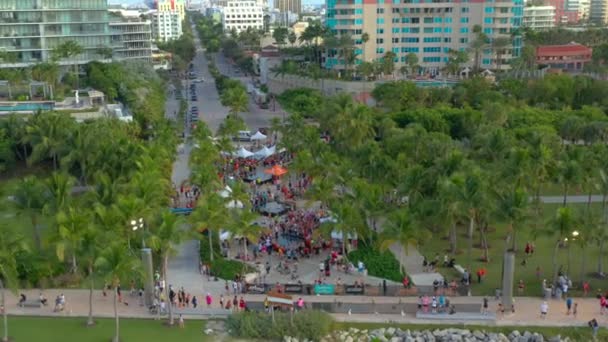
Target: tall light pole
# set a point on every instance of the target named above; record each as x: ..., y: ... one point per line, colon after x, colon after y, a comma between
x: 146, y: 259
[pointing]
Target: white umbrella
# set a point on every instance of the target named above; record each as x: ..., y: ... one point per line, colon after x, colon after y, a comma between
x: 234, y: 204
x: 258, y: 136
x: 243, y: 153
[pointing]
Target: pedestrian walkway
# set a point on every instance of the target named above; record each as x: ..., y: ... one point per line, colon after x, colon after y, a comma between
x: 527, y: 308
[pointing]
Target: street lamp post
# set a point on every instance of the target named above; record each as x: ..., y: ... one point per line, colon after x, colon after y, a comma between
x: 146, y: 259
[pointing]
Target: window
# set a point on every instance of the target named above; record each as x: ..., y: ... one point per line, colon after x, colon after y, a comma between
x: 428, y: 20
x: 487, y: 20
x: 395, y: 40
x: 464, y: 40
x: 379, y: 40
x: 358, y: 31
x: 437, y: 20
x: 431, y: 49
x: 464, y: 20
x: 415, y: 30
x: 464, y: 10
x: 395, y: 30
x: 405, y: 20
x: 431, y: 59
x: 487, y: 30
x: 437, y: 30
x: 405, y: 30
x: 486, y: 61
x: 410, y: 40
x: 447, y: 30
x: 464, y: 30
x: 409, y: 49
x: 395, y: 50
x: 428, y: 30
x: 415, y: 20
x: 358, y: 21
x: 380, y: 31
x: 358, y: 10
x: 395, y: 10
x: 380, y: 21
x: 395, y: 21
x: 379, y: 10
x: 379, y: 50
x: 431, y: 40
x: 448, y: 20
x: 489, y: 10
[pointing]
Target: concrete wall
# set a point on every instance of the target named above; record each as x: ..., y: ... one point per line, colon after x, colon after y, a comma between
x: 278, y: 84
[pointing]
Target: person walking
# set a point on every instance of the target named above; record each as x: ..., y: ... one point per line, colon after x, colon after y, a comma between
x: 194, y: 302
x: 181, y: 321
x: 594, y: 325
x: 242, y: 304
x: 568, y: 305
x: 544, y: 308
x: 235, y: 303
x: 208, y: 299
x: 485, y: 306
x: 221, y: 301
x: 575, y: 310
x: 300, y: 304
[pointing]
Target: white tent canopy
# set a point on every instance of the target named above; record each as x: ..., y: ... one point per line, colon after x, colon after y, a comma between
x: 265, y: 152
x: 258, y: 136
x: 243, y: 153
x: 235, y: 204
x: 337, y: 235
x: 224, y: 193
x: 224, y: 235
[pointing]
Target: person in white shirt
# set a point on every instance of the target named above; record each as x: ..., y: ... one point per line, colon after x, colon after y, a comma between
x: 544, y: 307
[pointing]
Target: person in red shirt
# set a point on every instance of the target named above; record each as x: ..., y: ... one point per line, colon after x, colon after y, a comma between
x: 242, y: 304
x: 406, y: 282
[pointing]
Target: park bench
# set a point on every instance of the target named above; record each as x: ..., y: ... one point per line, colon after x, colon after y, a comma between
x: 459, y: 269
x: 203, y: 312
x: 458, y: 316
x: 30, y: 304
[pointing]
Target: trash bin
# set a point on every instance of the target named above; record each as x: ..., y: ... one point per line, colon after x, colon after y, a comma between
x: 547, y: 293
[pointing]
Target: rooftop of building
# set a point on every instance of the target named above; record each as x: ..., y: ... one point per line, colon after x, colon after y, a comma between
x: 567, y: 49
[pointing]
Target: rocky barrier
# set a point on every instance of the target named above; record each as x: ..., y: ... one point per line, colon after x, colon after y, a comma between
x: 437, y: 335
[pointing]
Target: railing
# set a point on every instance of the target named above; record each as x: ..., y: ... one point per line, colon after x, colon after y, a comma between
x: 350, y: 290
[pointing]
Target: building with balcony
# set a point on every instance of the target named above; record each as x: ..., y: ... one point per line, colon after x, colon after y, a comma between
x: 581, y: 7
x: 241, y: 15
x: 598, y: 12
x: 429, y: 29
x: 31, y: 29
x: 570, y: 57
x: 166, y: 26
x: 172, y: 6
x: 539, y: 17
x: 293, y: 6
x: 131, y: 38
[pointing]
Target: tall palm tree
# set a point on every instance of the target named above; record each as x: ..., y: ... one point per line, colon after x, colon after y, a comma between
x: 59, y: 189
x: 29, y: 200
x: 236, y: 99
x: 562, y: 224
x: 568, y: 173
x: 72, y: 223
x: 115, y: 263
x: 165, y: 239
x: 477, y: 46
x: 90, y: 246
x: 210, y: 214
x: 47, y: 134
x: 47, y: 72
x: 82, y: 145
x: 11, y: 244
x: 401, y: 229
x: 364, y: 40
x: 512, y: 206
x: 499, y: 45
x: 242, y: 224
x: 67, y: 51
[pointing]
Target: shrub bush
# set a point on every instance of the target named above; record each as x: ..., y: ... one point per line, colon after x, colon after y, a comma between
x: 378, y: 264
x: 309, y: 324
x: 221, y: 267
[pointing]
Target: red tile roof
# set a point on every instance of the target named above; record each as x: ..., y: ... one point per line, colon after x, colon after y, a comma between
x: 562, y: 50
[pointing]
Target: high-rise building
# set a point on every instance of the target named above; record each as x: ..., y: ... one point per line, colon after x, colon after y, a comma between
x: 429, y: 29
x: 31, y: 29
x: 539, y: 17
x: 131, y: 38
x: 293, y: 6
x: 241, y: 15
x: 581, y: 7
x: 598, y: 12
x: 172, y: 5
x: 166, y: 25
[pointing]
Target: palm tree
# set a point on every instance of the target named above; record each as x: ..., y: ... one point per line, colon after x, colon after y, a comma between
x: 242, y: 224
x: 411, y: 59
x: 512, y: 206
x: 68, y: 50
x: 364, y: 40
x: 401, y: 229
x: 210, y: 214
x: 114, y: 263
x: 29, y: 199
x: 499, y: 45
x: 72, y: 223
x: 47, y: 134
x: 47, y: 72
x: 82, y: 145
x: 388, y: 63
x: 11, y: 244
x: 568, y: 173
x: 292, y: 38
x: 89, y: 248
x: 59, y: 188
x: 477, y: 46
x: 563, y: 224
x: 236, y: 99
x: 165, y: 239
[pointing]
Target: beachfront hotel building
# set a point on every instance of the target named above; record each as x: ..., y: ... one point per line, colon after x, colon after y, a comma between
x: 539, y: 17
x: 428, y: 28
x: 31, y: 29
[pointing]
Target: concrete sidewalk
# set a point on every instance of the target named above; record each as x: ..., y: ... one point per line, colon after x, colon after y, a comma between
x: 527, y: 308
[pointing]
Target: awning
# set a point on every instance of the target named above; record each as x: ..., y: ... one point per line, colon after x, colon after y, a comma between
x: 258, y: 136
x: 243, y: 153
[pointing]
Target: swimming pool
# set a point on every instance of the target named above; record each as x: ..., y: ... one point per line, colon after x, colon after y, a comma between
x: 433, y: 83
x: 25, y: 107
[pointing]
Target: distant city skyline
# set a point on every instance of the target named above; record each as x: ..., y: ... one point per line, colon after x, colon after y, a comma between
x: 133, y: 2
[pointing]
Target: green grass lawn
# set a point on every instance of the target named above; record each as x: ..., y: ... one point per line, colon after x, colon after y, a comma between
x: 30, y: 329
x: 542, y: 257
x: 575, y: 333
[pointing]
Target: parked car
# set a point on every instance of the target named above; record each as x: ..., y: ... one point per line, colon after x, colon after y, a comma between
x: 243, y: 136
